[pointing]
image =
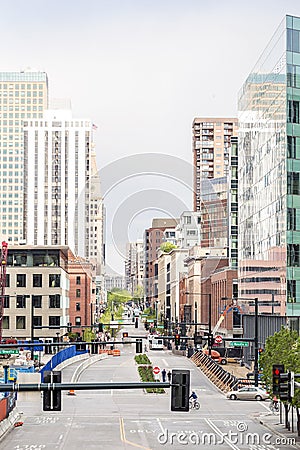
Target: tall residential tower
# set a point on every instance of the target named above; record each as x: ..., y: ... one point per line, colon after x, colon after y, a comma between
x: 23, y: 96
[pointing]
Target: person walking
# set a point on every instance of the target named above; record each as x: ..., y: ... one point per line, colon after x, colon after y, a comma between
x: 163, y: 374
x: 169, y: 376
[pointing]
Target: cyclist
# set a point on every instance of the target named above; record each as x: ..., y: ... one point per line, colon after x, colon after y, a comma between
x: 193, y: 397
x: 275, y: 404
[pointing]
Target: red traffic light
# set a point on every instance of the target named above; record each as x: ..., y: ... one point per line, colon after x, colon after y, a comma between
x: 276, y: 372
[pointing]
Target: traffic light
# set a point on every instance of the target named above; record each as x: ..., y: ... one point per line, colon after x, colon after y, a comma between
x: 284, y: 386
x: 155, y: 323
x: 146, y: 326
x: 180, y: 390
x: 136, y: 324
x: 165, y: 325
x: 100, y: 327
x: 125, y: 334
x: 260, y: 350
x: 210, y: 340
x: 69, y: 327
x: 52, y: 399
x: 277, y: 370
x: 139, y: 346
x: 177, y: 339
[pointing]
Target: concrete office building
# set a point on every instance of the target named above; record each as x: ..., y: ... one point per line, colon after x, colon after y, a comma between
x: 23, y: 96
x: 269, y: 176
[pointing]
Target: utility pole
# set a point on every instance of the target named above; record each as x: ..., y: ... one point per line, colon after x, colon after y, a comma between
x: 209, y: 325
x: 256, y: 341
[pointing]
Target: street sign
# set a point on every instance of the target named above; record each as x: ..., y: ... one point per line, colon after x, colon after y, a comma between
x: 239, y: 344
x: 114, y: 324
x: 156, y: 370
x: 218, y: 339
x: 4, y: 351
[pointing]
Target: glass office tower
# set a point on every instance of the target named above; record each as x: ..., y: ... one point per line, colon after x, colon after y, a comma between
x: 269, y: 171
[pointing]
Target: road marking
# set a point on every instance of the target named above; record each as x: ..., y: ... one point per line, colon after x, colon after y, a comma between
x: 219, y: 432
x: 160, y: 425
x: 165, y: 362
x: 123, y: 436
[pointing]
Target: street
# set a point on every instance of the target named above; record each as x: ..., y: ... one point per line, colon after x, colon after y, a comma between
x: 119, y: 419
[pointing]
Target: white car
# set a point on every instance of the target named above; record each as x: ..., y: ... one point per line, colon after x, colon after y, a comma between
x: 248, y: 393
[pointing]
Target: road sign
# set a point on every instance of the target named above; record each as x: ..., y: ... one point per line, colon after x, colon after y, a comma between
x: 4, y: 351
x: 218, y: 339
x: 239, y: 344
x: 156, y: 370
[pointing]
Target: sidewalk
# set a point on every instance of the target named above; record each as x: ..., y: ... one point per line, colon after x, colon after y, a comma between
x: 272, y: 423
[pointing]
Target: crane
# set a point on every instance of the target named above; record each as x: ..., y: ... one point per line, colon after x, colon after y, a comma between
x: 4, y: 251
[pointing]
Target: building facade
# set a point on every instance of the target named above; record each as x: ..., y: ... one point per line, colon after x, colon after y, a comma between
x: 153, y: 238
x: 134, y: 266
x: 57, y: 182
x: 211, y: 142
x: 269, y: 173
x: 37, y: 292
x: 23, y: 96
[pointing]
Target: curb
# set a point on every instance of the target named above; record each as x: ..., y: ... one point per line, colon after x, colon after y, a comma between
x: 270, y: 427
x: 8, y: 423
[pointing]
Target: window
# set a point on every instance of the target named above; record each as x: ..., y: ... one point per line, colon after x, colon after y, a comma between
x: 78, y: 321
x: 78, y: 280
x: 77, y: 306
x: 37, y: 301
x: 21, y: 280
x: 7, y: 284
x: 21, y: 301
x: 54, y: 321
x: 37, y: 280
x: 293, y: 183
x: 54, y: 301
x: 54, y: 280
x: 293, y: 111
x: 293, y: 40
x: 77, y: 293
x: 5, y: 322
x: 37, y: 321
x: 20, y: 322
x: 6, y: 301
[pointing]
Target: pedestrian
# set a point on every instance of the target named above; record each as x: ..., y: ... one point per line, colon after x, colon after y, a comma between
x: 169, y: 376
x: 163, y: 374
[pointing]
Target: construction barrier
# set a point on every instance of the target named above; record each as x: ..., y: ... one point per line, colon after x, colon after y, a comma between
x: 116, y: 352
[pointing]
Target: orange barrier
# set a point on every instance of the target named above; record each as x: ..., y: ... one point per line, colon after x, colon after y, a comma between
x: 116, y: 352
x: 71, y: 392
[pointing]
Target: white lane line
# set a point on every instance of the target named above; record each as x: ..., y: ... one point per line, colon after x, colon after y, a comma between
x: 160, y: 425
x: 222, y: 436
x: 165, y: 362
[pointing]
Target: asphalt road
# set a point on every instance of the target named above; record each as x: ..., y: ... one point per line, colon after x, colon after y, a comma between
x: 119, y: 419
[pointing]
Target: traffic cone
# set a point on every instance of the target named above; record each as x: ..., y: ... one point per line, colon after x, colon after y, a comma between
x: 71, y: 392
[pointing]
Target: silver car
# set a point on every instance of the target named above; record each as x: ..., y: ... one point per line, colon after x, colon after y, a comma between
x: 248, y: 393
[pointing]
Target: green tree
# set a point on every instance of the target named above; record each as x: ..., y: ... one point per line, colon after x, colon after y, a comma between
x: 166, y: 247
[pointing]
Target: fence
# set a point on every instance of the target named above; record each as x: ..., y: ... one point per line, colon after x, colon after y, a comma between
x: 60, y: 357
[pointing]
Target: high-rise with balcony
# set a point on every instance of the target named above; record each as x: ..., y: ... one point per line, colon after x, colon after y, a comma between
x: 23, y: 96
x: 269, y: 176
x: 211, y: 143
x: 58, y: 183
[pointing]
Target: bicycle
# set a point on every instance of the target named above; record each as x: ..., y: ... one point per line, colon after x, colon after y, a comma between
x: 194, y: 404
x: 274, y: 407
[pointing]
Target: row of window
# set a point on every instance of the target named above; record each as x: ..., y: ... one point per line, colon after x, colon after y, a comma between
x: 54, y: 280
x: 20, y: 322
x: 54, y: 301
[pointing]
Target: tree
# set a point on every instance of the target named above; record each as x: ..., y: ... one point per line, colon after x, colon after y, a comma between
x: 282, y: 348
x: 167, y: 247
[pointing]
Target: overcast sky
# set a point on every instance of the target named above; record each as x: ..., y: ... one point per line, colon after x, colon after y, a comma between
x: 141, y: 70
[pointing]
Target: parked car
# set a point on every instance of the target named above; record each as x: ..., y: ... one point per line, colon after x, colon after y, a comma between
x: 248, y: 393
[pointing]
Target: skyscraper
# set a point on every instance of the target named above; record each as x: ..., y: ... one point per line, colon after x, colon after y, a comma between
x: 23, y: 96
x: 57, y: 173
x: 269, y: 176
x: 211, y: 143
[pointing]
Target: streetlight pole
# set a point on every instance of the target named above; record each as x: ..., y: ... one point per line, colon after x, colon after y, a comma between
x: 32, y: 328
x: 256, y: 342
x: 209, y: 325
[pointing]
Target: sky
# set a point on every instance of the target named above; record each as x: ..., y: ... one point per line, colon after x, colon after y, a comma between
x: 141, y: 71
